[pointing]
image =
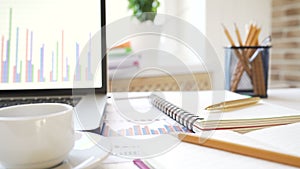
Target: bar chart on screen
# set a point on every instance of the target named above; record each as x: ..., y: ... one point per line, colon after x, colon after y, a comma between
x: 57, y: 55
x: 40, y: 43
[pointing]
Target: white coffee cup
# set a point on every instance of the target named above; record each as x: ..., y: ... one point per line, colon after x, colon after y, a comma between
x: 36, y: 135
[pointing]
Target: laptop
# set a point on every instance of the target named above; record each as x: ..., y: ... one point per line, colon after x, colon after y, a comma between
x: 55, y: 51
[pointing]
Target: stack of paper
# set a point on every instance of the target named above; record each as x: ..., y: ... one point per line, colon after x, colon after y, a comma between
x: 252, y: 117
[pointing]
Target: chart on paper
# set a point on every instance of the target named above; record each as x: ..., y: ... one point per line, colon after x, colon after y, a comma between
x: 116, y: 125
x: 139, y: 130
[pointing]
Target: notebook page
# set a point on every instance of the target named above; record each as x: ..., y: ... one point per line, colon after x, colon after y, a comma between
x: 194, y: 102
x: 260, y: 110
x: 286, y: 137
x: 192, y: 156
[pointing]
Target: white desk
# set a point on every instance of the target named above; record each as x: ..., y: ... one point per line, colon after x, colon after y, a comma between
x: 284, y: 97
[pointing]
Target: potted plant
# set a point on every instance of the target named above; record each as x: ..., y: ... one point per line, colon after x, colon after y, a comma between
x: 144, y: 10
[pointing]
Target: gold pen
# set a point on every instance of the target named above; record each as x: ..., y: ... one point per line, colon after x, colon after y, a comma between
x: 233, y: 103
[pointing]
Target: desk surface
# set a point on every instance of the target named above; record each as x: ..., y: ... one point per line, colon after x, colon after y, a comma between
x: 284, y: 97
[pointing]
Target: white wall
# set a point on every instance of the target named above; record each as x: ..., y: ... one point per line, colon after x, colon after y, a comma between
x: 116, y: 9
x: 240, y: 12
x: 193, y: 11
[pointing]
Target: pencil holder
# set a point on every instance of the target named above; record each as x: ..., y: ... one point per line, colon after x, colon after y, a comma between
x: 246, y: 70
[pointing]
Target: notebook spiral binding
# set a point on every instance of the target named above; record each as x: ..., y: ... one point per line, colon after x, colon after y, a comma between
x: 181, y: 116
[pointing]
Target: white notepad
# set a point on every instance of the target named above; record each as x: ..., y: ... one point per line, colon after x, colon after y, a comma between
x: 283, y: 139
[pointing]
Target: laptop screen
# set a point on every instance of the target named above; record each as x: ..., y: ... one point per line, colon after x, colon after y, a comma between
x: 50, y: 44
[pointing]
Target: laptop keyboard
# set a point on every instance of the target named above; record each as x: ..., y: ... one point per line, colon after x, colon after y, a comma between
x: 17, y: 101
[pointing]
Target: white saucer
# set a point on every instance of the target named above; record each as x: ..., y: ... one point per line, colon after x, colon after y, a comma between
x: 86, y: 145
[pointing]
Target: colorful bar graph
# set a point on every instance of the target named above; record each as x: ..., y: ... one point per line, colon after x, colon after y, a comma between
x: 32, y: 56
x: 139, y: 130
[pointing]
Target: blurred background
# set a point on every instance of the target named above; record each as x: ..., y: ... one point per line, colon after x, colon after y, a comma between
x: 279, y: 19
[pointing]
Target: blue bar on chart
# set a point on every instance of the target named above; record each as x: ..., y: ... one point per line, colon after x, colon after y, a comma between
x: 154, y: 131
x: 66, y: 78
x: 169, y: 129
x: 66, y: 64
x: 77, y: 75
x: 162, y: 131
x: 16, y: 75
x: 89, y: 75
x: 146, y: 130
x: 41, y: 77
x: 29, y: 65
x: 129, y: 132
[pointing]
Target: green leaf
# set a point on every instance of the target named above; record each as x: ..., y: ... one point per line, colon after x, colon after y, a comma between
x: 143, y: 9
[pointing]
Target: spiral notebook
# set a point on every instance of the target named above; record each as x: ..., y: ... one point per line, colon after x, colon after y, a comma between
x: 253, y: 117
x: 183, y: 117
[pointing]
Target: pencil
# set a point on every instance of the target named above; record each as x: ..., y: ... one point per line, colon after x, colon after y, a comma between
x: 238, y: 54
x: 241, y: 149
x: 255, y: 39
x: 237, y: 32
x: 228, y: 35
x: 249, y: 34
